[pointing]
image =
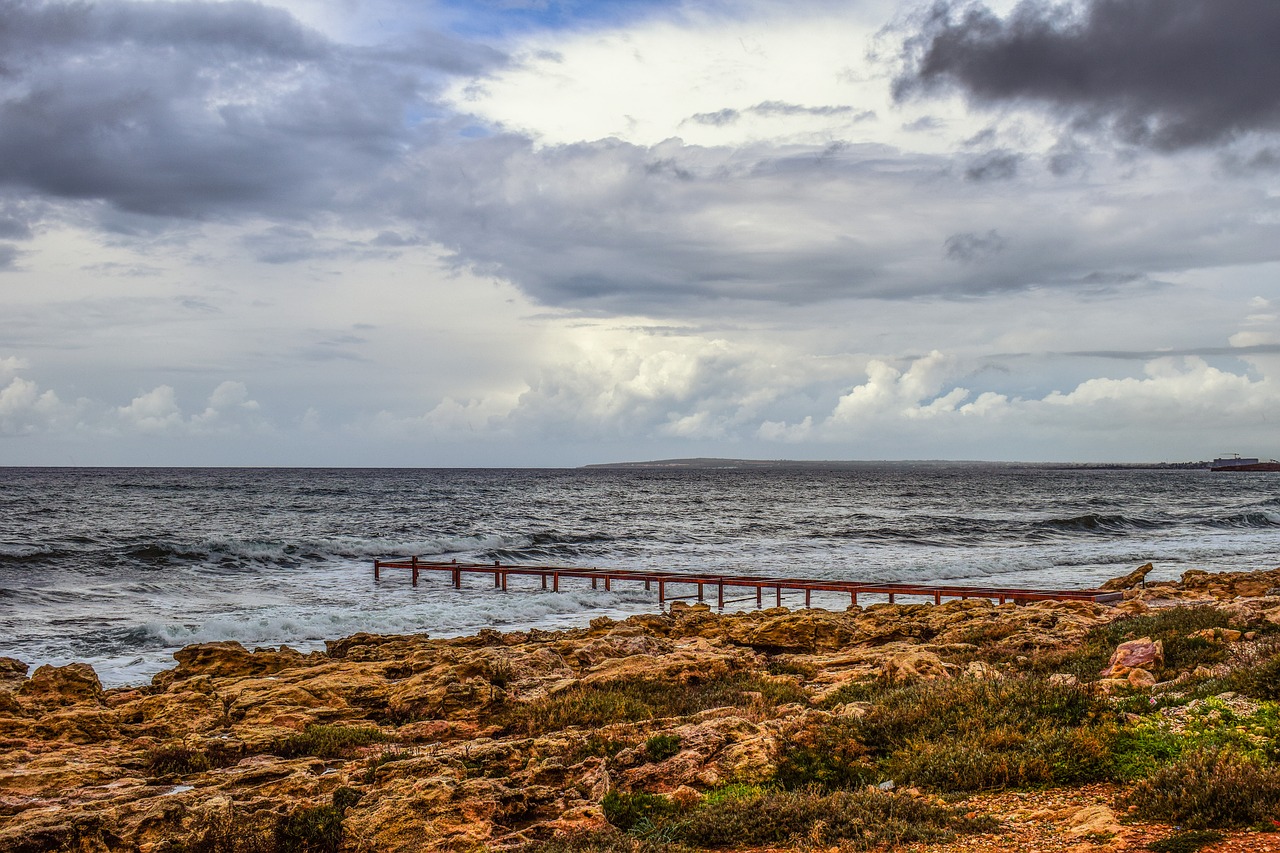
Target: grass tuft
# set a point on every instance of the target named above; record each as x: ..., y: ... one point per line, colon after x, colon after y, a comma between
x: 327, y: 741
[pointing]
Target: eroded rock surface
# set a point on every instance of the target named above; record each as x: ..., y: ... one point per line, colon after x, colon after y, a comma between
x: 465, y: 743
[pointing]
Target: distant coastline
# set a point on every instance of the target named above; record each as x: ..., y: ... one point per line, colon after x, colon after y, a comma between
x: 714, y: 463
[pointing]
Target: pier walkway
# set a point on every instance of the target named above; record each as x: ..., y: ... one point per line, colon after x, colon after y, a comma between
x: 685, y: 582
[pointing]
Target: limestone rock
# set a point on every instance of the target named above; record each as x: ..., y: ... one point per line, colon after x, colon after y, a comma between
x: 1129, y: 581
x: 915, y: 666
x: 63, y: 685
x: 13, y: 673
x: 1093, y: 820
x: 1141, y: 679
x: 1217, y: 635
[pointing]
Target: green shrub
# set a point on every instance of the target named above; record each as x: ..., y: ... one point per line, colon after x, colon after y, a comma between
x: 312, y: 829
x: 860, y: 820
x: 175, y: 760
x: 962, y: 734
x: 346, y: 797
x: 1141, y: 749
x: 826, y: 754
x: 594, y: 746
x: 327, y: 741
x: 935, y: 709
x: 1171, y: 626
x: 594, y: 842
x: 1004, y: 757
x: 628, y: 811
x: 1207, y: 789
x: 628, y: 701
x: 661, y: 747
x: 1187, y: 842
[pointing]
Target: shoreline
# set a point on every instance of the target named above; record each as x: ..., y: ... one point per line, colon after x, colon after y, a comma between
x: 525, y: 739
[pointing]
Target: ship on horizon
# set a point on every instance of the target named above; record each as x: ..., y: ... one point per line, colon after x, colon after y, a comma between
x: 1236, y: 462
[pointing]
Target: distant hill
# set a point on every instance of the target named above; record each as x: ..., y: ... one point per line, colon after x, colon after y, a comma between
x: 712, y: 463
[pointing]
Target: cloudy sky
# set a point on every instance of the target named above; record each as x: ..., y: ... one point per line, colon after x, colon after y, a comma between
x: 555, y: 232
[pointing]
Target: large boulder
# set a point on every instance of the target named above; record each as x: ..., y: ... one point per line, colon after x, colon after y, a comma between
x: 63, y: 685
x: 1142, y: 653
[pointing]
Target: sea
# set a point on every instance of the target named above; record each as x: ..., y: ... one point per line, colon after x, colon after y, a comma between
x: 121, y: 567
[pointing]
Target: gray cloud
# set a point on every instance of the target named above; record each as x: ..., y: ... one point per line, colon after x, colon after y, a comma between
x: 679, y: 230
x: 727, y: 116
x: 1200, y: 352
x: 998, y: 165
x: 1166, y: 74
x: 195, y: 109
x: 969, y: 246
x: 8, y: 256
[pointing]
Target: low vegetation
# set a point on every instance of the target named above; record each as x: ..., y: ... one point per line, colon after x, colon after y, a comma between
x: 1206, y: 789
x: 646, y: 699
x: 328, y: 741
x: 751, y: 816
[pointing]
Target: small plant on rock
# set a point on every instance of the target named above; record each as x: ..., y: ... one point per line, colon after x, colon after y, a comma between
x: 327, y: 741
x: 661, y: 747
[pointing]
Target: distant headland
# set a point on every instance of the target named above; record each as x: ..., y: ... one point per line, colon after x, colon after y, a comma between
x: 714, y: 463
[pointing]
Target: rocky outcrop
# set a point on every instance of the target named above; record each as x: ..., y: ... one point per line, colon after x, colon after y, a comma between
x: 487, y: 741
x: 1135, y: 578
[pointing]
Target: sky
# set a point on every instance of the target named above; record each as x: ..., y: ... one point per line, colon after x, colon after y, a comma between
x: 557, y: 232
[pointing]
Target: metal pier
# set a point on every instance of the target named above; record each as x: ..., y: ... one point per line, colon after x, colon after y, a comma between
x: 551, y: 577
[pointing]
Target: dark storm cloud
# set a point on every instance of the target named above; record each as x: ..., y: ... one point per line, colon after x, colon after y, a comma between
x: 12, y: 228
x: 1167, y: 74
x: 197, y: 109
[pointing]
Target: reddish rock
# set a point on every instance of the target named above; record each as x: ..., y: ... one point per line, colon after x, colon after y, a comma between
x: 1135, y: 654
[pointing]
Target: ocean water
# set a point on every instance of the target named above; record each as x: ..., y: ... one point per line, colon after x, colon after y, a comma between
x: 121, y: 567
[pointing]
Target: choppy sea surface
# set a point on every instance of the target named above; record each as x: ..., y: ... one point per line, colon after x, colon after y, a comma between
x: 121, y: 567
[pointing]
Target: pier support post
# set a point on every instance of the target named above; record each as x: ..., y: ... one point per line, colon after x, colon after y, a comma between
x: 720, y: 596
x: 662, y: 592
x: 647, y: 586
x: 891, y: 598
x: 699, y: 591
x: 555, y: 582
x: 414, y: 563
x: 808, y: 593
x: 594, y: 581
x: 778, y: 589
x: 544, y: 581
x: 377, y: 570
x: 853, y: 598
x: 606, y: 584
x: 937, y: 598
x: 759, y: 595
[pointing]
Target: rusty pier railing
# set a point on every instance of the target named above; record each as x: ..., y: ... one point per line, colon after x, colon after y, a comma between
x: 551, y: 577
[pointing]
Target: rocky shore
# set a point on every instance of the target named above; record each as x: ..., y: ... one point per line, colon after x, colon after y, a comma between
x: 660, y: 731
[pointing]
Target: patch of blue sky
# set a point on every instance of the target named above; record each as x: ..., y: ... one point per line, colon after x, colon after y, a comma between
x: 506, y: 17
